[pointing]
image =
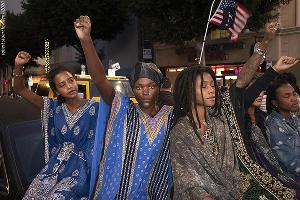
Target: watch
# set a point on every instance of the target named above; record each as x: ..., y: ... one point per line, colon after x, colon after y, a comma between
x: 259, y: 50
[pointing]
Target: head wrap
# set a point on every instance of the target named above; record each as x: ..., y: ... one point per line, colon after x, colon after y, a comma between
x: 146, y: 70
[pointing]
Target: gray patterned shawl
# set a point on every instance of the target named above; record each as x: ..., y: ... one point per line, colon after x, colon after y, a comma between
x: 196, y: 171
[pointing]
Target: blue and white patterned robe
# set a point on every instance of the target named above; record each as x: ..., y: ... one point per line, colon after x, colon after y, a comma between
x: 69, y: 142
x: 135, y: 163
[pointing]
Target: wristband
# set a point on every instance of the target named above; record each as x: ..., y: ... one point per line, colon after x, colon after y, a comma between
x: 258, y: 50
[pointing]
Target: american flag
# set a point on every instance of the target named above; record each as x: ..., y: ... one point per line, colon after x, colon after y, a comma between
x: 232, y: 16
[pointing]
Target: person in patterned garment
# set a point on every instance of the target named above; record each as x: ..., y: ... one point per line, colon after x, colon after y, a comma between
x: 135, y: 160
x: 284, y: 126
x: 210, y: 159
x: 69, y: 124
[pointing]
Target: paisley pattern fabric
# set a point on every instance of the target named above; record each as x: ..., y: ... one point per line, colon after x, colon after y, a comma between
x: 69, y: 141
x: 198, y: 170
x: 218, y: 164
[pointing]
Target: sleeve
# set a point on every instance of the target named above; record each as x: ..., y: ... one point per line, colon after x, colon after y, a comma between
x: 237, y: 101
x: 285, y: 146
x: 185, y: 177
x: 259, y: 85
x: 103, y: 114
x: 107, y: 115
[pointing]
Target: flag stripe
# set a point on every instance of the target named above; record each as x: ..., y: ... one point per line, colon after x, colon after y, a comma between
x: 239, y: 23
x: 241, y: 18
x: 232, y: 16
x: 237, y: 28
x: 244, y: 9
x: 216, y: 22
x: 242, y: 12
x: 217, y: 18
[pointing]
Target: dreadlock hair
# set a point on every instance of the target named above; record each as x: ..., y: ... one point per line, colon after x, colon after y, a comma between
x: 51, y: 75
x: 185, y: 93
x: 282, y: 79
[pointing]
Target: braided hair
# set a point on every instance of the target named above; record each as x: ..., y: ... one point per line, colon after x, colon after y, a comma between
x: 185, y: 93
x: 51, y: 75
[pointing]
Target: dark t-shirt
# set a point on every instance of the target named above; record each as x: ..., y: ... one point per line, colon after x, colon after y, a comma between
x: 165, y: 98
x: 242, y: 98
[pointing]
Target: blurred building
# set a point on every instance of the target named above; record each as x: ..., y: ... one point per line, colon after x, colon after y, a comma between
x: 124, y: 50
x: 226, y: 57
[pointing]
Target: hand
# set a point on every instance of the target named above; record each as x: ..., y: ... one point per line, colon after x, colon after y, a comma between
x: 83, y: 27
x: 284, y: 63
x: 22, y: 58
x: 40, y: 61
x: 270, y: 31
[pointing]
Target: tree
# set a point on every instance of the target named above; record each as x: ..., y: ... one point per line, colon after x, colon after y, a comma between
x: 19, y: 35
x: 53, y: 19
x: 176, y: 21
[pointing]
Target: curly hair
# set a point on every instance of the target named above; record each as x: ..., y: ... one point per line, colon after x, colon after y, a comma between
x: 282, y: 79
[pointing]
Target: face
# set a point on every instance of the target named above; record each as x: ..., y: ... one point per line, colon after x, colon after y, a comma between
x: 146, y: 92
x: 258, y: 101
x: 208, y: 91
x: 66, y: 85
x: 286, y: 98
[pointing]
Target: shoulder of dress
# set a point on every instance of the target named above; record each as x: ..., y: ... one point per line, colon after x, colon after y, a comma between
x: 169, y: 108
x: 182, y: 125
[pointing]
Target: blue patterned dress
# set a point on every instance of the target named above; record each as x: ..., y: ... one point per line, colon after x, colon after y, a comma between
x: 69, y: 142
x: 135, y: 162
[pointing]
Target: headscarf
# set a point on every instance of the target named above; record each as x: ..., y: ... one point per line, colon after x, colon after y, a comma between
x: 146, y: 70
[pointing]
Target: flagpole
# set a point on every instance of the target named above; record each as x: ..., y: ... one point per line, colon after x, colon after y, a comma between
x: 204, y: 38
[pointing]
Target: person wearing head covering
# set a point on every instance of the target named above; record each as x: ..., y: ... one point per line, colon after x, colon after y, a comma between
x: 134, y: 161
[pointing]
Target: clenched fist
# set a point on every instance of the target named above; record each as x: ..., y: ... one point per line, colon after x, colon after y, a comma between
x: 82, y: 27
x: 284, y: 63
x: 22, y: 58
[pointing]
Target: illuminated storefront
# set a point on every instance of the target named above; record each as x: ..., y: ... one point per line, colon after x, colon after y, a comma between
x: 226, y: 74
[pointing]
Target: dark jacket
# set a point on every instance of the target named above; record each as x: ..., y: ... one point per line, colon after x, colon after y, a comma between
x: 165, y: 98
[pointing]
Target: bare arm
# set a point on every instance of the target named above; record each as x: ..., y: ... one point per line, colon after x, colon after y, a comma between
x: 253, y: 62
x: 96, y: 70
x: 284, y: 63
x: 19, y: 86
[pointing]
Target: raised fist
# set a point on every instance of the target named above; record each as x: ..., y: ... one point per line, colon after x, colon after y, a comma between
x: 22, y: 58
x: 83, y: 27
x: 284, y: 63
